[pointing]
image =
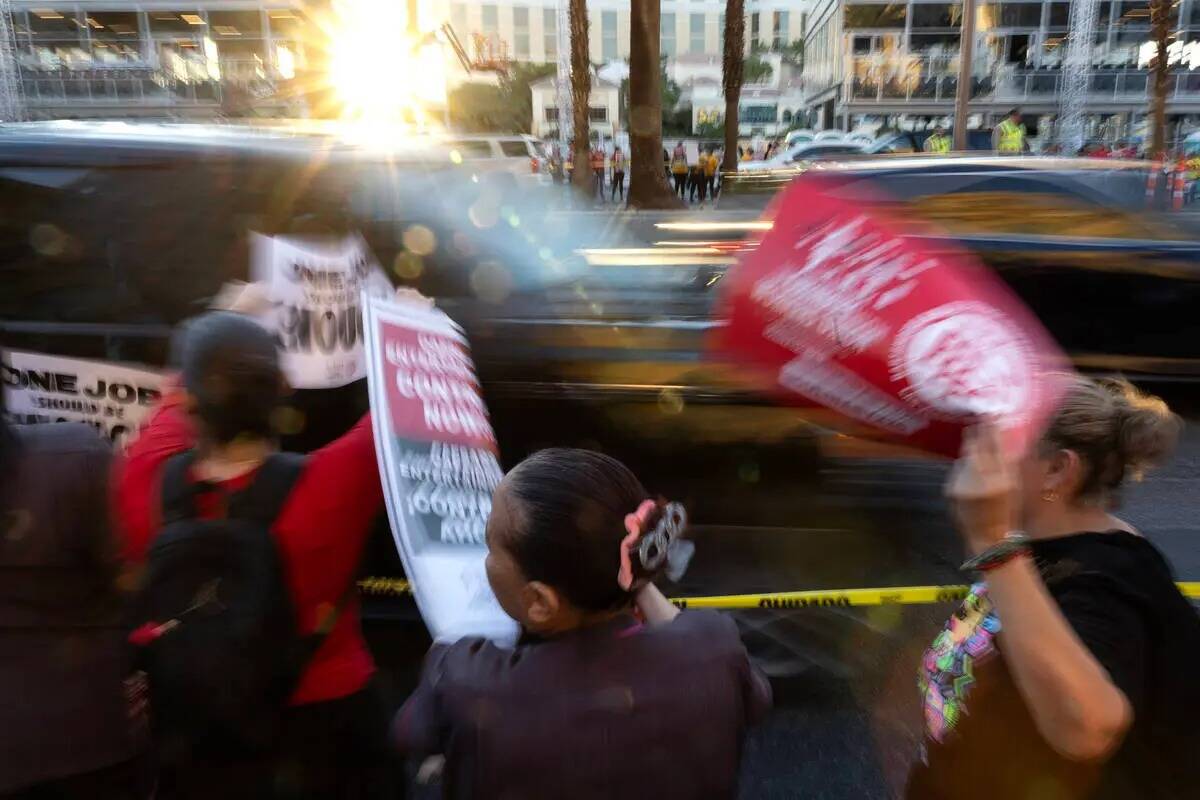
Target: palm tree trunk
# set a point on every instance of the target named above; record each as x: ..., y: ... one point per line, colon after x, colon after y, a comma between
x: 1160, y: 27
x: 647, y: 182
x: 731, y: 77
x: 581, y: 89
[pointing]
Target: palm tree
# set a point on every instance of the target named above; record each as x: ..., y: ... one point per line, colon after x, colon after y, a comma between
x: 647, y: 182
x: 581, y: 88
x: 1160, y: 29
x: 731, y: 77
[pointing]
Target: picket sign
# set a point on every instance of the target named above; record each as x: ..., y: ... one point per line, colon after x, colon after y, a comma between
x: 838, y: 307
x: 114, y: 398
x: 438, y: 461
x: 315, y: 285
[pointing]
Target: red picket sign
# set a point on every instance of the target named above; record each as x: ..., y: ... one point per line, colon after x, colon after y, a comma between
x: 838, y: 306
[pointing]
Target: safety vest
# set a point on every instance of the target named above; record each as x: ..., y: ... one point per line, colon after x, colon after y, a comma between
x: 710, y: 166
x: 679, y: 165
x: 618, y: 162
x: 1012, y: 137
x: 938, y: 144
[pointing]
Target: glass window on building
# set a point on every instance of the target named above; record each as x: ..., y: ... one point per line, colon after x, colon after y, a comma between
x: 753, y: 29
x: 116, y: 37
x: 172, y: 23
x: 1020, y: 15
x: 550, y: 33
x: 598, y: 113
x: 936, y: 15
x: 666, y: 39
x: 876, y: 15
x: 935, y: 42
x: 288, y: 23
x: 1134, y: 14
x: 1060, y: 16
x: 521, y: 32
x: 490, y: 16
x: 235, y: 24
x: 696, y: 33
x: 55, y: 24
x: 779, y: 29
x: 721, y: 33
x: 608, y: 35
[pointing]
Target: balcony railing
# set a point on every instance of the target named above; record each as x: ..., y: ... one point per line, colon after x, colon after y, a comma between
x: 147, y: 87
x: 912, y: 78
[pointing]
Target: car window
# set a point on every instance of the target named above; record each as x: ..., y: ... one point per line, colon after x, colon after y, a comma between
x: 515, y: 149
x: 469, y: 149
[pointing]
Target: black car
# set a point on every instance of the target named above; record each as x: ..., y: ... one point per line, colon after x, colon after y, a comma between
x: 585, y: 333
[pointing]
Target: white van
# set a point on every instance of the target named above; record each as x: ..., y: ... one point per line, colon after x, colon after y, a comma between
x: 518, y: 154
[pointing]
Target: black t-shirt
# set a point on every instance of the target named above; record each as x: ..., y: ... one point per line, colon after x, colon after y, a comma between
x: 1118, y: 593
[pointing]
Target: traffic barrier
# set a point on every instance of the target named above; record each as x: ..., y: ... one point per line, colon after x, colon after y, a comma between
x: 820, y: 598
x: 1180, y: 184
x: 1152, y: 183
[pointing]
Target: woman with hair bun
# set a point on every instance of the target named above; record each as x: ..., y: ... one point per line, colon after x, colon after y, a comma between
x: 611, y: 691
x: 1070, y: 669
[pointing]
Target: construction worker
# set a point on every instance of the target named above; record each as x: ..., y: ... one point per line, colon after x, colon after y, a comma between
x: 938, y: 143
x: 1009, y: 136
x: 1192, y: 174
x: 711, y: 165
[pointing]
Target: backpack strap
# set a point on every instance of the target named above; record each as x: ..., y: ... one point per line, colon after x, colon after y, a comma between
x: 263, y: 499
x: 260, y: 502
x: 177, y: 493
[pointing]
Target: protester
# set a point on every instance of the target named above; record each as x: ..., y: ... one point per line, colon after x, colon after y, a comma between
x: 67, y: 727
x: 1094, y: 693
x: 591, y: 702
x: 222, y: 411
x: 618, y: 174
x: 679, y: 169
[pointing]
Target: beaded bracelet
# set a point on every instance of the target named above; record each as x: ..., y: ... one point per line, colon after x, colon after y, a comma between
x: 1013, y: 545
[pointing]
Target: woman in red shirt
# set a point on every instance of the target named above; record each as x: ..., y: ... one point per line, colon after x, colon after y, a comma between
x: 223, y: 406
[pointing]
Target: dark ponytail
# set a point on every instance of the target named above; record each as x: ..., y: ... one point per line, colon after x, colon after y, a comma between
x: 570, y: 507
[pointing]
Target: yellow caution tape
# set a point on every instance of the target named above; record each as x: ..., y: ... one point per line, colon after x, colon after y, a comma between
x: 821, y: 598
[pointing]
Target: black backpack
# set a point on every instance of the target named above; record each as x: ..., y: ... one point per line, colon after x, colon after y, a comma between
x: 215, y: 629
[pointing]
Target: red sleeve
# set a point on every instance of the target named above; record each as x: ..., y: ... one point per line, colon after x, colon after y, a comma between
x: 136, y: 474
x: 339, y: 492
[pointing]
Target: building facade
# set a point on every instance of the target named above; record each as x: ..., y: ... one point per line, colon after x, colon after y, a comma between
x: 527, y: 28
x: 163, y: 58
x: 869, y: 61
x: 157, y: 58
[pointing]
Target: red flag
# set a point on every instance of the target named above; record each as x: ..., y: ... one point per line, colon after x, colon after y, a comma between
x: 839, y: 307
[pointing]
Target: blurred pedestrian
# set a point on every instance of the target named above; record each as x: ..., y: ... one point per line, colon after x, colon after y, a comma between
x: 593, y: 701
x: 711, y: 167
x: 1070, y: 670
x: 208, y: 454
x: 1009, y: 136
x: 679, y: 169
x: 556, y: 164
x: 68, y: 727
x: 938, y: 142
x: 597, y: 165
x: 696, y: 179
x: 618, y: 174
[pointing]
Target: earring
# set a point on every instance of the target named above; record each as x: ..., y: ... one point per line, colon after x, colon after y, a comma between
x: 1050, y: 496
